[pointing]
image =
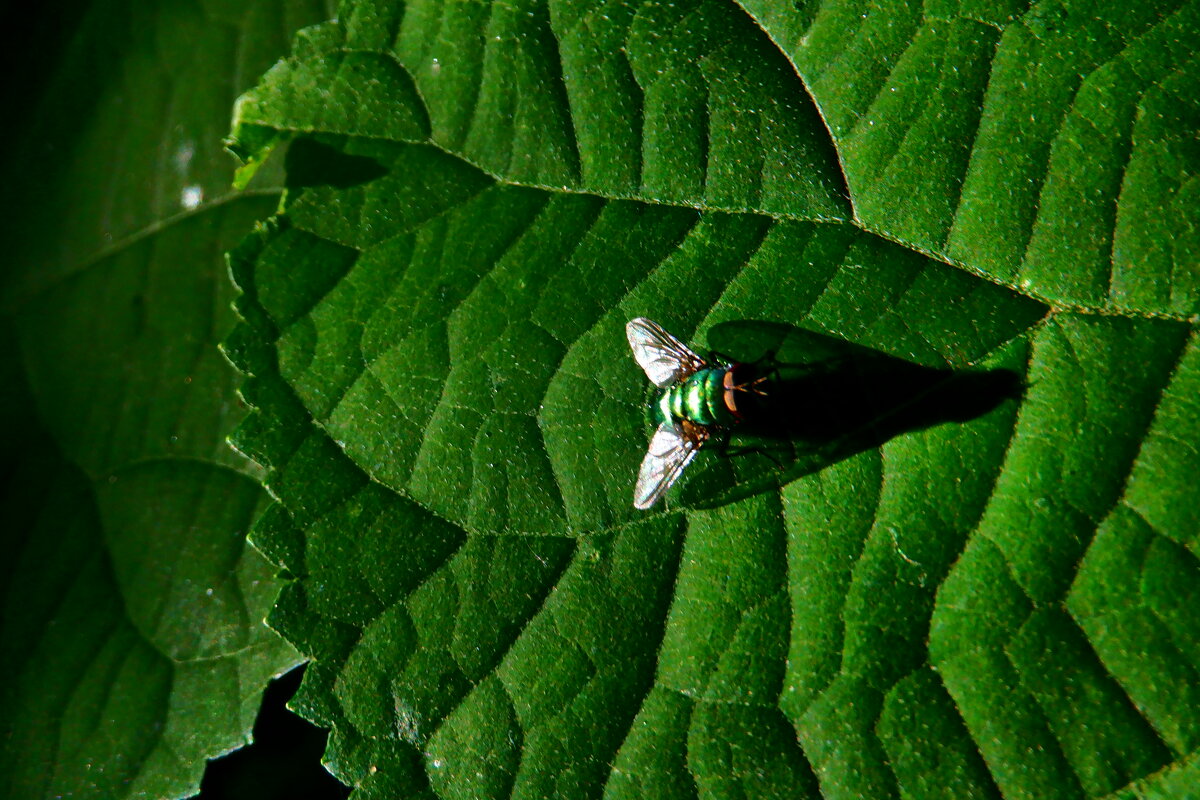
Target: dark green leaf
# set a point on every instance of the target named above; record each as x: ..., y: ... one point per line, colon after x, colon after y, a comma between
x: 133, y: 646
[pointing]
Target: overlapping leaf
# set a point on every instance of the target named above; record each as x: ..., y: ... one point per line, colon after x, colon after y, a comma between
x: 132, y: 646
x: 994, y: 606
x: 1047, y: 145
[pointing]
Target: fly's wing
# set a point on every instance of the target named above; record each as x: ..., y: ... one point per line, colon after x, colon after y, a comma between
x: 670, y: 451
x: 665, y: 359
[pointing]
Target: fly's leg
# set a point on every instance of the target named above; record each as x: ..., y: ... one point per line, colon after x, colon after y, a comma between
x: 725, y: 450
x: 767, y: 368
x: 747, y: 451
x: 753, y: 386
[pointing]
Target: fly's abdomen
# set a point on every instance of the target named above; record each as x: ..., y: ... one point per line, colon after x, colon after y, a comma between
x: 700, y: 398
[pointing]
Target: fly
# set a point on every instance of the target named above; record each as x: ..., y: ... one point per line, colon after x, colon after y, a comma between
x: 699, y: 400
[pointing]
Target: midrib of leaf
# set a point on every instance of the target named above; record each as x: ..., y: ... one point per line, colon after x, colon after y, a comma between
x: 116, y: 248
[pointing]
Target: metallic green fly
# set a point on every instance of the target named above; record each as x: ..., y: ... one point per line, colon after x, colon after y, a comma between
x: 699, y: 399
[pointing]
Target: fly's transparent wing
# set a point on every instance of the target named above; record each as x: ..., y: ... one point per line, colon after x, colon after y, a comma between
x: 665, y: 359
x: 670, y: 451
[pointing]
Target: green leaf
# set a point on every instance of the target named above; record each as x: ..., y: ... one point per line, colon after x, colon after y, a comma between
x: 717, y: 119
x: 980, y: 602
x: 133, y: 646
x: 1044, y: 145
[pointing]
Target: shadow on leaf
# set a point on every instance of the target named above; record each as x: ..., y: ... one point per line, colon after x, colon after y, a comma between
x: 823, y: 400
x: 311, y: 162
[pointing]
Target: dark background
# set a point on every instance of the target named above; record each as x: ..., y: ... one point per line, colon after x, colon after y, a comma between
x: 283, y: 762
